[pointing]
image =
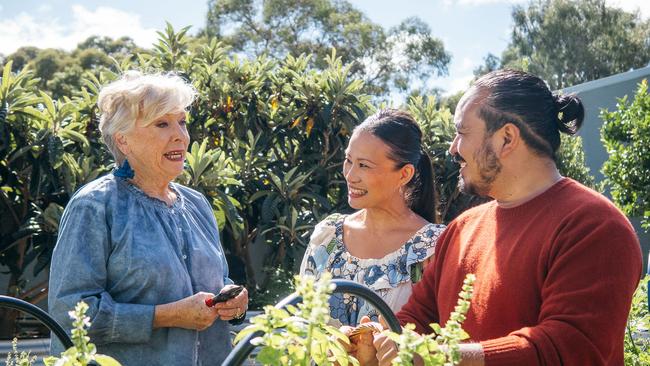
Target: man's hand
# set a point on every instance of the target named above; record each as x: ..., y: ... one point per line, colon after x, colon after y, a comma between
x: 386, y: 349
x: 471, y: 353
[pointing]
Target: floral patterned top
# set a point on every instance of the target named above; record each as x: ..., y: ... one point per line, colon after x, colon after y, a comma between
x: 391, y: 277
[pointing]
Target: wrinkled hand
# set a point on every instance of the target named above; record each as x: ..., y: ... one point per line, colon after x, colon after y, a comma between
x: 187, y: 313
x: 233, y: 308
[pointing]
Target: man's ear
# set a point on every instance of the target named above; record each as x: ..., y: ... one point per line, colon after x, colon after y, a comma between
x: 121, y: 142
x: 407, y: 173
x: 509, y: 139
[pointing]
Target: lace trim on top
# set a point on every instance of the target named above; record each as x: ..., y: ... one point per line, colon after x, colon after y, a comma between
x: 141, y: 196
x: 377, y: 273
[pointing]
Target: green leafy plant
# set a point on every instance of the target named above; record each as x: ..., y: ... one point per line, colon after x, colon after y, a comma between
x: 15, y: 358
x: 570, y: 161
x: 626, y: 135
x: 299, y: 334
x: 82, y: 352
x: 47, y: 150
x: 441, y: 346
x: 637, y: 333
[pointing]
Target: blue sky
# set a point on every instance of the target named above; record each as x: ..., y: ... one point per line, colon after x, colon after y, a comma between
x: 470, y: 29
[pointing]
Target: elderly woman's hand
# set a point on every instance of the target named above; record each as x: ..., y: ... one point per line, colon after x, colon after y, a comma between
x: 234, y: 308
x: 188, y: 313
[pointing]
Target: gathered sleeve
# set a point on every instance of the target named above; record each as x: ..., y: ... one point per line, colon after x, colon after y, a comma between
x: 78, y: 272
x: 421, y: 307
x: 314, y: 262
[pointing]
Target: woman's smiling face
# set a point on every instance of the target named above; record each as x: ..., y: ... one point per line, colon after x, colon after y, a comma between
x: 157, y: 150
x: 372, y: 177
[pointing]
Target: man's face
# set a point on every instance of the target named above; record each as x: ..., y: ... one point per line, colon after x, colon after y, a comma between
x: 472, y: 148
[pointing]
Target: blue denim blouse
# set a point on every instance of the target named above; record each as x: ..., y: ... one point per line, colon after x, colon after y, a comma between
x: 123, y: 252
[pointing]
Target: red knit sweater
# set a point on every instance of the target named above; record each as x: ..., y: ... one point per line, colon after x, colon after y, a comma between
x: 554, y: 279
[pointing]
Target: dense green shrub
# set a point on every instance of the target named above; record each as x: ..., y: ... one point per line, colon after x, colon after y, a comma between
x: 570, y: 161
x: 46, y: 152
x: 626, y: 135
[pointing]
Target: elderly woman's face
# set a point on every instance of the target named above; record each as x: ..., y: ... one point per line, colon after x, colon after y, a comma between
x: 157, y: 151
x: 372, y: 177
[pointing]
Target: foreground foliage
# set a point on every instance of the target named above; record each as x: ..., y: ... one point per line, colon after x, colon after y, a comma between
x: 82, y: 353
x: 637, y: 333
x: 441, y: 346
x: 300, y: 334
x: 15, y: 358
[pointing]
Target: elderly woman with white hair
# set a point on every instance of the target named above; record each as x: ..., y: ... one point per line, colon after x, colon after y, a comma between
x: 142, y: 251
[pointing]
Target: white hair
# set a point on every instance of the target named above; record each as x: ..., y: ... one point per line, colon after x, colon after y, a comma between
x: 139, y: 98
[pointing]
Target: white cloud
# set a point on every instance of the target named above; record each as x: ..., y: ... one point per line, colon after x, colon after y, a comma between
x: 632, y: 5
x: 466, y: 65
x: 43, y: 32
x: 459, y: 84
x: 44, y: 8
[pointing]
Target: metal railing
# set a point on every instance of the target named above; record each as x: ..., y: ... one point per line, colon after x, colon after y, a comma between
x: 38, y: 313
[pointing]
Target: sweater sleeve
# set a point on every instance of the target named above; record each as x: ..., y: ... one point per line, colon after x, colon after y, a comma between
x: 594, y: 268
x: 78, y: 273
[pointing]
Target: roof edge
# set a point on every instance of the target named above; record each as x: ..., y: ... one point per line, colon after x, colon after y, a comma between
x: 609, y: 80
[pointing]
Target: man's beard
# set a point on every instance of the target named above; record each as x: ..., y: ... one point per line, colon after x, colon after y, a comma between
x: 489, y: 168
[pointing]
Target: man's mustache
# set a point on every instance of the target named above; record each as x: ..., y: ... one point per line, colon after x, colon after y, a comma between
x: 457, y: 158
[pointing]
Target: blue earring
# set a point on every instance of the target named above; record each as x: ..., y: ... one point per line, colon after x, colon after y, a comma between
x: 124, y: 171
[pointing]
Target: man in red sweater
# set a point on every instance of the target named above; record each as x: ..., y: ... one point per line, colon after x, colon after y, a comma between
x: 556, y: 263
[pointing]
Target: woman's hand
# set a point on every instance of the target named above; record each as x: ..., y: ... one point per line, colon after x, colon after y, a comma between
x: 234, y: 308
x: 188, y: 313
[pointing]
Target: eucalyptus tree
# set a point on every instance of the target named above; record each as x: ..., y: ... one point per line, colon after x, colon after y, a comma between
x: 384, y: 59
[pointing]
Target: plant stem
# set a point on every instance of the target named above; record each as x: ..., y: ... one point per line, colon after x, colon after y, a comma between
x: 307, y: 359
x: 635, y: 349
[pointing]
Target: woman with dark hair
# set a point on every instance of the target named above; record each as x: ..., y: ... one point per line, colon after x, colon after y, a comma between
x: 385, y: 244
